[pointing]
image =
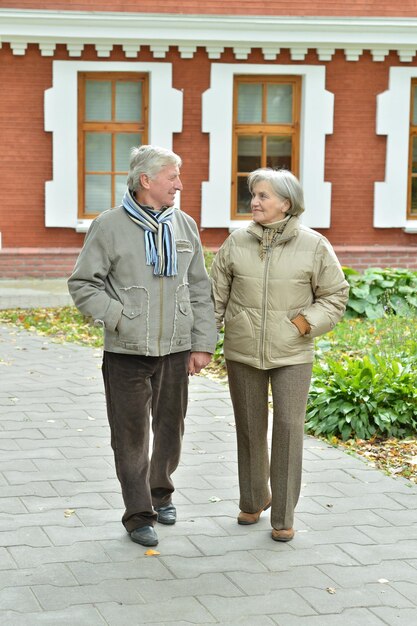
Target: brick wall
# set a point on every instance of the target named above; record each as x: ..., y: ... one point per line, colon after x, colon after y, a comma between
x: 407, y: 8
x: 57, y: 263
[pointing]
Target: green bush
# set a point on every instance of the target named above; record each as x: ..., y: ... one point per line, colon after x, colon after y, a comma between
x: 362, y: 398
x: 377, y: 292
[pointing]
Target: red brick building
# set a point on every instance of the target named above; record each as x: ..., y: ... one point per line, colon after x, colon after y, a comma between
x: 328, y: 89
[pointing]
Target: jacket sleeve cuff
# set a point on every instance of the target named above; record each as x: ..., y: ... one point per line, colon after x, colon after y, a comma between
x: 301, y: 323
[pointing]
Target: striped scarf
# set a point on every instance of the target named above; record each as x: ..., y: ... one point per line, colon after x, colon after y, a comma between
x: 159, y: 235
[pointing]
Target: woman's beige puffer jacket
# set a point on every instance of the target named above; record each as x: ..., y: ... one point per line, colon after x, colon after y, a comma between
x: 257, y: 299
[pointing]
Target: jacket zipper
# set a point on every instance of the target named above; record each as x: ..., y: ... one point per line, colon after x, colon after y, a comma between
x: 264, y: 308
x: 161, y: 309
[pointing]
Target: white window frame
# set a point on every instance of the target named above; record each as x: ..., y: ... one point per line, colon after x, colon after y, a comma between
x: 61, y: 193
x: 316, y: 122
x: 393, y: 120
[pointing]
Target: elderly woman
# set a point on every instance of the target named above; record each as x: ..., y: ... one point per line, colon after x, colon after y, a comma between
x: 277, y: 284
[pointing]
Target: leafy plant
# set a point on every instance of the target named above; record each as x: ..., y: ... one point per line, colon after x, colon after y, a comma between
x: 378, y: 292
x: 363, y: 397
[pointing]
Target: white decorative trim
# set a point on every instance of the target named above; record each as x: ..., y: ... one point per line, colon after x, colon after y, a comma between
x: 131, y: 50
x: 298, y: 54
x: 159, y: 51
x: 75, y: 49
x: 379, y: 54
x: 187, y: 51
x: 242, y: 52
x: 61, y: 193
x: 316, y: 123
x: 18, y: 47
x: 103, y: 49
x: 214, y: 52
x: 210, y: 31
x: 47, y: 49
x: 353, y: 54
x: 270, y: 53
x: 325, y: 54
x: 393, y: 120
x: 406, y: 56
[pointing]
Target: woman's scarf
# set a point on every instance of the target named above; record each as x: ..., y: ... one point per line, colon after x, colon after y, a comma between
x: 160, y: 246
x: 270, y: 232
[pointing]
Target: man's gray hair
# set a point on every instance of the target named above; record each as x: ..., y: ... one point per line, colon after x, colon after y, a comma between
x: 149, y: 160
x: 283, y: 183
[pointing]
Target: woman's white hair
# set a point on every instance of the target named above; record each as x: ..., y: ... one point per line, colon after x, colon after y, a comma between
x: 149, y: 160
x: 284, y: 184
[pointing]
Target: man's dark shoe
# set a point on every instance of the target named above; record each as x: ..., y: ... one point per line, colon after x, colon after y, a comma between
x: 145, y: 535
x: 167, y: 514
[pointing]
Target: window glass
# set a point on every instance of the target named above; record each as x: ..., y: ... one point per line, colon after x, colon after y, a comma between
x: 249, y: 153
x: 278, y: 152
x: 243, y: 195
x: 128, y: 101
x: 97, y: 100
x: 279, y: 104
x: 98, y: 152
x: 97, y: 193
x: 249, y: 103
x: 414, y: 112
x: 120, y: 188
x: 124, y: 143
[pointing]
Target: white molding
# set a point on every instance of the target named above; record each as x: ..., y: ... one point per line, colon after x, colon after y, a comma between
x: 211, y: 31
x: 61, y: 193
x: 393, y: 120
x: 316, y: 123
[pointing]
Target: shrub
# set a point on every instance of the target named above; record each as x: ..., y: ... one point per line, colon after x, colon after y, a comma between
x: 363, y: 397
x: 377, y: 292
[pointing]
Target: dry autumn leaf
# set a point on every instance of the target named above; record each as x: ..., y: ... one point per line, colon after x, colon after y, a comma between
x: 69, y: 512
x: 151, y: 552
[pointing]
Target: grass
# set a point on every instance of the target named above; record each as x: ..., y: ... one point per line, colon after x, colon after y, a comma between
x: 393, y: 336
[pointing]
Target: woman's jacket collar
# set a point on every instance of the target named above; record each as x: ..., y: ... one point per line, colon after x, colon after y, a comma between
x: 291, y: 230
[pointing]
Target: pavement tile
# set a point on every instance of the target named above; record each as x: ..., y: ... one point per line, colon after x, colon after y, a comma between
x: 350, y: 617
x: 22, y: 597
x: 291, y: 578
x: 370, y: 555
x: 357, y: 575
x: 188, y: 609
x: 183, y: 567
x: 80, y: 615
x: 26, y: 556
x: 280, y: 600
x: 327, y: 520
x: 51, y: 598
x: 34, y: 537
x: 56, y: 574
x: 139, y: 567
x: 396, y: 616
x: 6, y: 561
x: 340, y: 599
x: 214, y: 584
x: 290, y: 555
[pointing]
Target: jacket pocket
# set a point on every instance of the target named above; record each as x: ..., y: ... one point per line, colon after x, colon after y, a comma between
x: 286, y: 340
x: 132, y: 327
x: 184, y: 318
x: 239, y: 335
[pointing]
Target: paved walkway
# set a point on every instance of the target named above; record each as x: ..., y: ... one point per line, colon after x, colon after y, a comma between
x: 65, y: 558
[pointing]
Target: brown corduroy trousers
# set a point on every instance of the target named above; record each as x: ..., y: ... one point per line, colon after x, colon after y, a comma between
x: 249, y: 392
x: 137, y: 387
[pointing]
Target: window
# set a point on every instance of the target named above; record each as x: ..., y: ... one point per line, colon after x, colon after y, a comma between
x: 112, y: 118
x: 266, y: 128
x: 412, y: 162
x: 315, y: 120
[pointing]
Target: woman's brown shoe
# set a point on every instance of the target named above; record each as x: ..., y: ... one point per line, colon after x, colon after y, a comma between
x: 251, y: 518
x: 284, y: 534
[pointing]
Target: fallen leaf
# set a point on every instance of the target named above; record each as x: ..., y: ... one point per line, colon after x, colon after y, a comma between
x: 69, y: 512
x: 383, y: 581
x: 331, y: 590
x: 214, y: 499
x: 151, y: 552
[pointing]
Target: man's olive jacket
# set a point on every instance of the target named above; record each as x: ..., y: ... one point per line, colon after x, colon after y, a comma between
x: 142, y: 313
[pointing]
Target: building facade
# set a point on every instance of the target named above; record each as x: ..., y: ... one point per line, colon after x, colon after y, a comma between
x: 326, y: 89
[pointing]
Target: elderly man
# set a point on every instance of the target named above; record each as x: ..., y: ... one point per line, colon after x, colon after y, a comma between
x: 141, y: 276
